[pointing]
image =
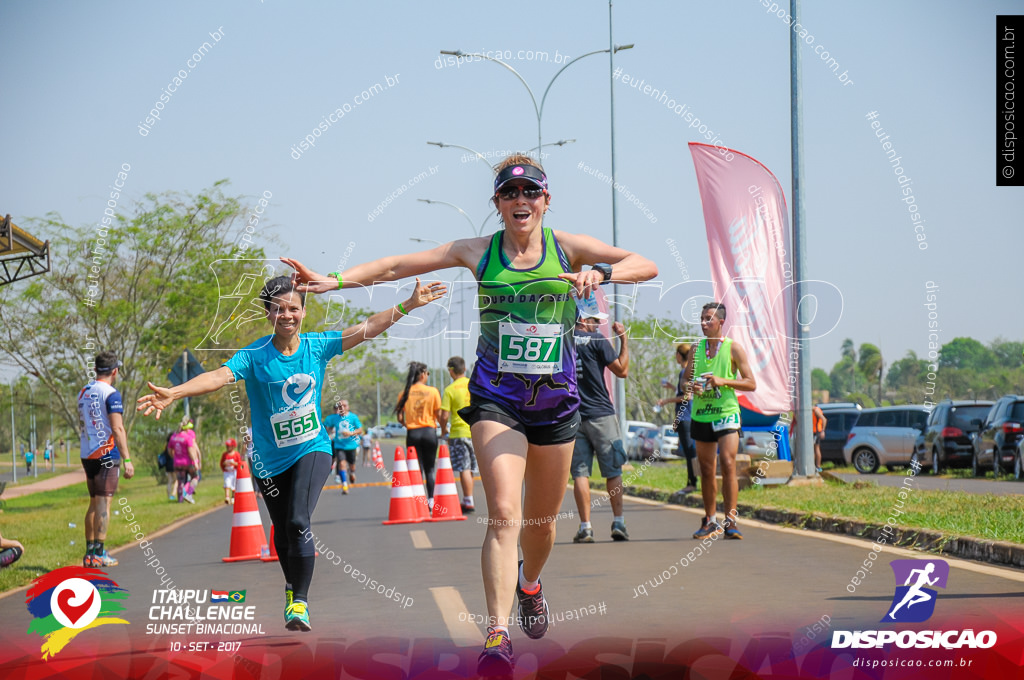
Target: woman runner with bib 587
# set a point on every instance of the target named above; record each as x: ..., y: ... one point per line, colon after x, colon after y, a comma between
x: 283, y: 374
x: 524, y: 405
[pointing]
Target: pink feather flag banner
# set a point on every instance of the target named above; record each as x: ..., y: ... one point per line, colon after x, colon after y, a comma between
x: 749, y: 243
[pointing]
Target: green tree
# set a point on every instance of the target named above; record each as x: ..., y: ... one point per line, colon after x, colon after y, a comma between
x: 1008, y: 353
x: 652, y: 359
x: 968, y: 354
x: 820, y: 380
x: 144, y: 285
x: 870, y: 364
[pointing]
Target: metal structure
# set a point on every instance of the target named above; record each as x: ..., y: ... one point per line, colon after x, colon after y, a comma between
x: 21, y: 254
x: 804, y: 454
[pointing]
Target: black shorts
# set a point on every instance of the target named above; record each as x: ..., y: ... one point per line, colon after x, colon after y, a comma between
x: 101, y: 480
x: 819, y: 437
x: 349, y: 454
x: 538, y: 435
x: 704, y: 432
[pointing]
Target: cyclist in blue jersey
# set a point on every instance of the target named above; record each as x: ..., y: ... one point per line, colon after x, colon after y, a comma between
x: 524, y: 404
x: 291, y: 458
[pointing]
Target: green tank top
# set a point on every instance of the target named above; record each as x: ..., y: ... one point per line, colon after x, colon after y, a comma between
x: 706, y: 407
x: 535, y: 295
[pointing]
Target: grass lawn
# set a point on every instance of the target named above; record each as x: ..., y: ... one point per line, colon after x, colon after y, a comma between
x: 955, y: 513
x: 41, y: 521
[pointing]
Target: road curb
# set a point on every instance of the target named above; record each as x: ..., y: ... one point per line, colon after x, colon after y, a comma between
x: 1001, y: 553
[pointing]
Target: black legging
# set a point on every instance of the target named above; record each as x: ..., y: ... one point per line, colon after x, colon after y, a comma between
x: 291, y: 497
x: 688, y: 449
x: 424, y: 440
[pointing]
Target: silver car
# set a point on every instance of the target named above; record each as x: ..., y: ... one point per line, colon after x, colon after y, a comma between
x: 884, y: 436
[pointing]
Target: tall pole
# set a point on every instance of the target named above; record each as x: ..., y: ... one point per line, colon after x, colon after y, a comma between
x: 620, y: 384
x: 32, y: 425
x: 804, y: 447
x: 184, y: 373
x: 14, y: 439
x: 377, y: 364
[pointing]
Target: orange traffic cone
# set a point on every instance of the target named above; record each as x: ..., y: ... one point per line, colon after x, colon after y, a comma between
x: 378, y: 458
x: 403, y: 508
x: 446, y: 496
x: 247, y: 537
x: 416, y: 480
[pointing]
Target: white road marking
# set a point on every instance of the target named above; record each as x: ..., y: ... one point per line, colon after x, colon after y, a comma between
x: 420, y: 540
x: 454, y: 613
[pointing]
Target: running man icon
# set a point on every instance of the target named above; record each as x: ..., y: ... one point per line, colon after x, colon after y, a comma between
x: 915, y: 576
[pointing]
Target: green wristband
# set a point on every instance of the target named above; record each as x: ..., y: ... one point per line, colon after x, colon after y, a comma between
x: 336, y: 275
x: 402, y: 309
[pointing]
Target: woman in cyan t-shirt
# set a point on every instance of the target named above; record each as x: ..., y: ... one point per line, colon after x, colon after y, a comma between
x: 291, y: 452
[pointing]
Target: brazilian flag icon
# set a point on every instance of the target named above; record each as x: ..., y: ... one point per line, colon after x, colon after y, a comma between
x: 237, y: 596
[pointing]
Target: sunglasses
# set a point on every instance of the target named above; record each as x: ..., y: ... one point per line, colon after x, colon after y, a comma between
x: 529, y: 192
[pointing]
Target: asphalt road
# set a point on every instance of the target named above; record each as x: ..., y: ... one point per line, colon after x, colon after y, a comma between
x: 775, y: 583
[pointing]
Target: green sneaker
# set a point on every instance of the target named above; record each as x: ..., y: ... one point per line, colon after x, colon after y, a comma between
x: 289, y: 597
x: 296, y: 617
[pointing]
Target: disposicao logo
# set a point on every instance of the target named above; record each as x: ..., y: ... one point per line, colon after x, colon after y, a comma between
x: 914, y: 602
x: 915, y: 576
x: 70, y: 600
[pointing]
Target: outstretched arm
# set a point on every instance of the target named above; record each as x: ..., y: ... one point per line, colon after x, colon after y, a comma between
x: 460, y: 253
x: 381, y: 321
x: 163, y: 397
x: 582, y: 250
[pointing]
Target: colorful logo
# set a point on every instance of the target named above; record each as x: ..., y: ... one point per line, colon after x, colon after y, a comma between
x: 70, y: 600
x: 913, y: 601
x: 517, y: 171
x: 227, y: 596
x: 298, y: 389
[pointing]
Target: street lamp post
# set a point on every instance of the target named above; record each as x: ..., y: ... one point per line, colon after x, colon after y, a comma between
x: 32, y: 426
x: 483, y: 157
x: 14, y: 439
x: 537, y: 109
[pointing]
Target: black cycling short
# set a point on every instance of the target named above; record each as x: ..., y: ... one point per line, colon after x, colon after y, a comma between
x: 101, y: 475
x: 349, y: 454
x: 703, y: 432
x: 538, y: 435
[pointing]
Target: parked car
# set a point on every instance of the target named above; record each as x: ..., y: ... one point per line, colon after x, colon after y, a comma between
x: 946, y: 441
x: 645, y: 443
x: 669, y: 442
x: 632, y: 426
x: 839, y: 405
x: 396, y: 430
x: 1018, y: 465
x: 839, y: 420
x: 756, y: 443
x: 629, y: 436
x: 884, y: 436
x: 995, y: 446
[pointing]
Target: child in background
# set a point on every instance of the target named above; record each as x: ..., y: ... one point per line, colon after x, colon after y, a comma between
x: 230, y: 461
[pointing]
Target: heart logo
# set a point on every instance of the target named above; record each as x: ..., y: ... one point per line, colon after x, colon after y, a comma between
x: 74, y: 613
x: 64, y: 598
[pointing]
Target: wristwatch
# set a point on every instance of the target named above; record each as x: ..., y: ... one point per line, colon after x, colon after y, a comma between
x: 605, y: 269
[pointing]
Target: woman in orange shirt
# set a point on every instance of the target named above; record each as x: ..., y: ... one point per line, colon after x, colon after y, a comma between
x: 418, y: 409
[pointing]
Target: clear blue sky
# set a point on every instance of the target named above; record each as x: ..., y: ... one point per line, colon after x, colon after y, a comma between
x: 78, y: 78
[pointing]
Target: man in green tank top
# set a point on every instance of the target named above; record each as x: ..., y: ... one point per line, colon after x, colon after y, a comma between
x: 717, y: 368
